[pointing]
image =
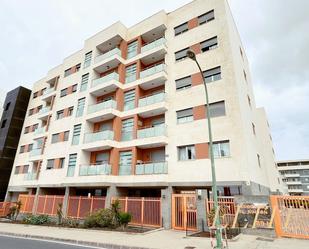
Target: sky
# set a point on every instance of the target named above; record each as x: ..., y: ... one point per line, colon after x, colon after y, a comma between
x: 37, y: 35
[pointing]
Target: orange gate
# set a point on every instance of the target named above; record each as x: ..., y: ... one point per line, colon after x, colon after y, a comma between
x: 48, y: 204
x: 145, y: 211
x: 227, y: 211
x: 27, y: 202
x: 5, y: 208
x: 291, y: 216
x: 184, y: 212
x: 81, y: 206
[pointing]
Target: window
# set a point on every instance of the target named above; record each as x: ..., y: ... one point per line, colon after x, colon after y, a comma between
x: 63, y: 92
x: 25, y: 169
x: 253, y: 129
x: 66, y: 135
x: 22, y: 149
x: 127, y: 129
x: 71, y: 164
x: 17, y: 169
x: 7, y: 106
x: 181, y: 28
x: 35, y: 95
x: 184, y: 116
x: 35, y: 127
x: 186, y: 152
x: 80, y: 107
x: 31, y: 111
x: 209, y: 44
x: 259, y: 160
x: 212, y: 74
x: 183, y: 83
x: 3, y: 123
x: 221, y: 149
x: 26, y: 130
x: 217, y: 109
x: 61, y: 163
x: 129, y: 100
x: 60, y: 114
x: 84, y: 83
x: 30, y: 146
x: 87, y: 60
x: 50, y: 164
x: 182, y: 54
x: 207, y: 17
x: 55, y: 138
x: 76, y: 134
x: 130, y: 73
x: 77, y: 67
x: 67, y: 72
x: 70, y: 111
x: 74, y: 88
x: 125, y: 162
x: 132, y: 49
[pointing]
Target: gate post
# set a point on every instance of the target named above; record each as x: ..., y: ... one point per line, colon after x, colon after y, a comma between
x: 166, y: 207
x: 201, y: 216
x: 277, y: 220
x: 36, y: 199
x: 65, y: 202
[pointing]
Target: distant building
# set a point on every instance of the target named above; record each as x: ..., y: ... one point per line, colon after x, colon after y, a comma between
x: 14, y: 111
x: 295, y: 174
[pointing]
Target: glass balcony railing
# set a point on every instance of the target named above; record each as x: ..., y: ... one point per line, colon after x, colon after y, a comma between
x: 151, y: 168
x: 153, y: 44
x: 152, y: 70
x: 130, y: 78
x: 36, y: 152
x: 39, y: 131
x: 48, y: 90
x: 71, y: 171
x: 152, y: 132
x: 104, y: 79
x: 97, y: 169
x: 45, y: 110
x: 107, y: 55
x: 124, y: 170
x: 156, y: 98
x: 102, y: 106
x: 30, y: 176
x: 98, y: 136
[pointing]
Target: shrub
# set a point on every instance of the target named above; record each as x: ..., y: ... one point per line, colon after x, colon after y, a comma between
x: 68, y: 222
x: 101, y: 218
x: 124, y: 219
x: 14, y: 210
x: 36, y: 219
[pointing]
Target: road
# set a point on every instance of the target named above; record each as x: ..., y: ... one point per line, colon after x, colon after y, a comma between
x: 22, y: 243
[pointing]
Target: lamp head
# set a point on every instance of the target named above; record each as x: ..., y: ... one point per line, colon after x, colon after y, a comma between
x: 191, y: 55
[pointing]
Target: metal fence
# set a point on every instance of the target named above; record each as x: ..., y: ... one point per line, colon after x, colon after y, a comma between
x: 5, y: 208
x: 80, y: 206
x: 48, y: 204
x: 145, y: 211
x: 291, y: 216
x: 27, y: 202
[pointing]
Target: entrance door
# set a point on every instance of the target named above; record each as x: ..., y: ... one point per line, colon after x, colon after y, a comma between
x: 184, y: 212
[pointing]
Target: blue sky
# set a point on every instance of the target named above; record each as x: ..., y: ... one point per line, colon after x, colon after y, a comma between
x: 37, y: 35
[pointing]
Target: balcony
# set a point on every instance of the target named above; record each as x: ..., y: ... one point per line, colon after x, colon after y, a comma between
x: 108, y: 60
x: 154, y: 44
x: 156, y: 131
x: 293, y: 183
x: 110, y: 104
x: 48, y: 93
x: 153, y: 168
x: 96, y: 169
x: 291, y: 175
x: 296, y: 190
x: 40, y: 131
x: 101, y: 111
x: 43, y: 113
x: 152, y: 99
x: 106, y: 84
x: 35, y: 152
x: 152, y: 70
x: 98, y: 136
x: 153, y: 76
x: 31, y: 176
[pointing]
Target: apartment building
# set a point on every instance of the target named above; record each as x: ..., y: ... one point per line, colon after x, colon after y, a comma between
x: 126, y: 115
x: 295, y: 174
x: 11, y: 123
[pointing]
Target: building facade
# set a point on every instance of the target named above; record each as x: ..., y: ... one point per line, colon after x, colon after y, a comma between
x: 126, y: 116
x: 295, y: 174
x: 14, y: 111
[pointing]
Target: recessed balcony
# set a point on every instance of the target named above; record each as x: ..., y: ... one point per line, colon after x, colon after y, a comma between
x: 101, y: 111
x: 95, y: 169
x: 44, y: 112
x: 106, y: 84
x: 107, y: 60
x: 49, y: 93
x: 151, y: 168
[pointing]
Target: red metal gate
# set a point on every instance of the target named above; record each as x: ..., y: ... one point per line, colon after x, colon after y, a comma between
x: 184, y: 212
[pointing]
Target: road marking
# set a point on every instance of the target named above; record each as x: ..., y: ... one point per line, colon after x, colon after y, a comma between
x: 51, y: 241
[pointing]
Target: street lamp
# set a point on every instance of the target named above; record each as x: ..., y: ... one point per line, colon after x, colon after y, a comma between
x: 192, y: 56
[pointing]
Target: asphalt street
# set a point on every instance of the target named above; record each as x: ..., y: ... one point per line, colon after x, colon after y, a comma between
x: 22, y: 243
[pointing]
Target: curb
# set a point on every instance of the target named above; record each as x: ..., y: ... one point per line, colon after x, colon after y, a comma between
x: 72, y: 241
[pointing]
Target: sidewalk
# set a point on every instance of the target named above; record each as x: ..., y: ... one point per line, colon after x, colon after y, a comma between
x: 159, y: 239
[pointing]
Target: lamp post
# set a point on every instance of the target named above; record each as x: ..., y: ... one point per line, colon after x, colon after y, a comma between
x: 192, y: 56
